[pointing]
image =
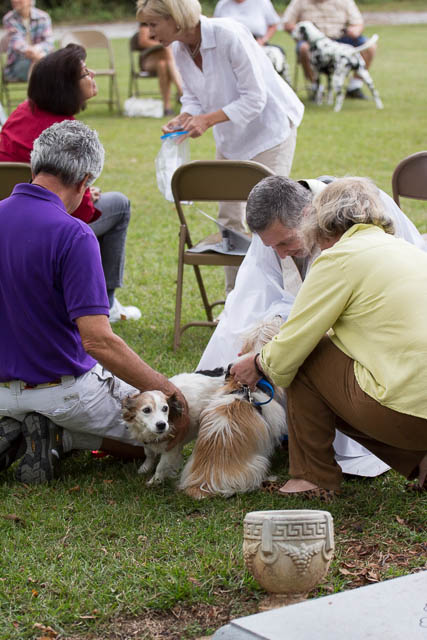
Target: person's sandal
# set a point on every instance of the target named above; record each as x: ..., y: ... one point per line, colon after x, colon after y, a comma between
x: 270, y: 486
x: 324, y: 495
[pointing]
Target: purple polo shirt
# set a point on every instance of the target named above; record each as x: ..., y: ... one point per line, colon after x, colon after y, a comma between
x: 50, y: 274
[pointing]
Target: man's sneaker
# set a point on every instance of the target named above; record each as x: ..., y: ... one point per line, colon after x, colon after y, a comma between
x: 12, y: 445
x: 119, y: 312
x: 43, y: 449
x: 356, y: 93
x: 10, y: 430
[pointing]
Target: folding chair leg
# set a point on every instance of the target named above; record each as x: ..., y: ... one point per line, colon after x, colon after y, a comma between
x: 116, y: 91
x: 179, y: 289
x: 110, y: 95
x: 179, y: 283
x: 202, y: 289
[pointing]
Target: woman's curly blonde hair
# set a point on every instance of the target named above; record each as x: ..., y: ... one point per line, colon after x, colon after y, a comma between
x: 344, y: 202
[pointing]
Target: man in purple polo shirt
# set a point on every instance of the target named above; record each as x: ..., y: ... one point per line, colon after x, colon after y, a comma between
x: 63, y: 372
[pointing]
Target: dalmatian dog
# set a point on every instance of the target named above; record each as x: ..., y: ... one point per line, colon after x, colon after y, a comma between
x: 337, y: 61
x: 278, y: 58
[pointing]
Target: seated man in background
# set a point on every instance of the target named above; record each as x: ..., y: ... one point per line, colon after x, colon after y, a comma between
x: 340, y: 20
x: 30, y: 38
x: 271, y: 275
x: 158, y: 60
x: 63, y: 372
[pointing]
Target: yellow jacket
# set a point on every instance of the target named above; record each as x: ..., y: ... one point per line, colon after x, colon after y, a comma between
x: 369, y: 292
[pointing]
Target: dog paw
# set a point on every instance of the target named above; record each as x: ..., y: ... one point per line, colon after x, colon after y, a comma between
x: 144, y: 468
x: 154, y: 481
x: 197, y: 494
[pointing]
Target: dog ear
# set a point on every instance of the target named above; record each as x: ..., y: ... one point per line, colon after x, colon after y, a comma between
x: 175, y: 407
x: 129, y: 407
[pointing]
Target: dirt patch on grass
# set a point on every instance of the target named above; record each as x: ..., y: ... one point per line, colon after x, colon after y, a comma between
x: 363, y: 562
x: 192, y: 621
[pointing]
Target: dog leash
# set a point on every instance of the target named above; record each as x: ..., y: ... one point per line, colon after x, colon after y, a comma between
x: 267, y: 388
x: 263, y: 384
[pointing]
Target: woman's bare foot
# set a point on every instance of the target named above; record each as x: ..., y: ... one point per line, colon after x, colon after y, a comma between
x: 296, y: 486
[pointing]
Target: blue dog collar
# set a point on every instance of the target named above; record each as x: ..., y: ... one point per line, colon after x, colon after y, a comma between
x: 265, y: 386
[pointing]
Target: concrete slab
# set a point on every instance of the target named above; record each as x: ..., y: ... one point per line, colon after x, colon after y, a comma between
x: 393, y: 610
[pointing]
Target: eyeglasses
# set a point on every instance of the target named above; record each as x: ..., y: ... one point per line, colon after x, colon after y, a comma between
x: 85, y: 72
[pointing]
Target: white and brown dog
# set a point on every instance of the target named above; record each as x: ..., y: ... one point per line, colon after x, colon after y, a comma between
x: 237, y: 430
x: 336, y: 60
x: 150, y: 418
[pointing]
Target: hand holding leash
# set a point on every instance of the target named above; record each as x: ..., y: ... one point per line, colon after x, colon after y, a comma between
x: 246, y: 372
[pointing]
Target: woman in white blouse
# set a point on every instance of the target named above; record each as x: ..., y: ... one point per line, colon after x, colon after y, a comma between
x: 228, y: 84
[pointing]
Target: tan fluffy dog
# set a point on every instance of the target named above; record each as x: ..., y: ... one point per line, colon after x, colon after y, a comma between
x: 236, y: 436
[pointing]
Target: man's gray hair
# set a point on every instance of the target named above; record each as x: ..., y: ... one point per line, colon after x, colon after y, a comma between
x: 69, y: 150
x: 276, y: 198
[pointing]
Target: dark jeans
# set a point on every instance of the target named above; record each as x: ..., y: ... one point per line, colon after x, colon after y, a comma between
x: 111, y: 229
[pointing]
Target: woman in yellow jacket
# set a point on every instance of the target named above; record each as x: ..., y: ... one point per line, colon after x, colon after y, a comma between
x: 353, y: 352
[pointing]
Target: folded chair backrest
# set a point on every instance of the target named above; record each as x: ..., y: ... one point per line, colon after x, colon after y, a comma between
x: 409, y: 178
x: 208, y: 180
x: 12, y: 173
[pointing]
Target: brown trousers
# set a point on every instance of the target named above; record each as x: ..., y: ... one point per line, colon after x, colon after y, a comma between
x: 325, y: 396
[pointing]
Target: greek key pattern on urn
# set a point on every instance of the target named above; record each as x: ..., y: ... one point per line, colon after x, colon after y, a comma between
x: 289, y: 530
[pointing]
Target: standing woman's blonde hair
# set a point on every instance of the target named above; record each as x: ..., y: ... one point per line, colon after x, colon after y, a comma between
x: 185, y: 13
x: 342, y: 204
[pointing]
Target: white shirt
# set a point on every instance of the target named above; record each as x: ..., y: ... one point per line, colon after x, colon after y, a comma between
x: 257, y: 15
x: 238, y: 78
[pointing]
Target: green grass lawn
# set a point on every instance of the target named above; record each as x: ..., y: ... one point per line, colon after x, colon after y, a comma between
x: 96, y: 545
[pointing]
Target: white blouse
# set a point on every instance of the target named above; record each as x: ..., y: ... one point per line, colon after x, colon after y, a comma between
x: 238, y: 78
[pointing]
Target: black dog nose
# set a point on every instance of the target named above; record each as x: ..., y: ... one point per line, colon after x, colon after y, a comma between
x: 160, y: 426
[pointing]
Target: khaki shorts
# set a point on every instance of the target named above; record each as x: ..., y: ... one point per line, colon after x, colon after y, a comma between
x: 90, y: 404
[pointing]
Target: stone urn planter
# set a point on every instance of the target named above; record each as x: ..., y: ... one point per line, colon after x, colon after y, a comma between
x: 288, y: 551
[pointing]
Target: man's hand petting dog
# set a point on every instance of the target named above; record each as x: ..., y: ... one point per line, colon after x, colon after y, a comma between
x: 245, y: 371
x: 181, y: 419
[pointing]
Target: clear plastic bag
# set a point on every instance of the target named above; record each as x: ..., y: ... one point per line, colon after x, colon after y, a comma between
x: 171, y: 156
